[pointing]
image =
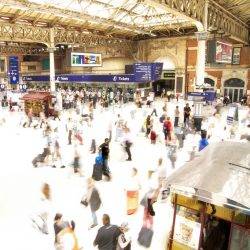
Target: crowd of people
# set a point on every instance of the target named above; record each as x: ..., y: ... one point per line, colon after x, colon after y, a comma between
x: 159, y: 123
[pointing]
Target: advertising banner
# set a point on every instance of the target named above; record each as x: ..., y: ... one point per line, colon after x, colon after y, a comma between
x: 223, y: 52
x: 187, y: 232
x: 86, y: 59
x: 13, y: 70
x: 236, y: 56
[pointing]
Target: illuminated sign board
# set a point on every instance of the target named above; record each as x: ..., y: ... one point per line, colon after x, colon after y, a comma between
x: 86, y: 60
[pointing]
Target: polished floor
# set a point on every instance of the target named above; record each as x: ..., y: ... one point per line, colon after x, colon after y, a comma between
x: 20, y: 183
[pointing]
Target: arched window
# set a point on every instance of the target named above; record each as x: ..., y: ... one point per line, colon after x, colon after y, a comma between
x: 234, y: 83
x: 209, y: 81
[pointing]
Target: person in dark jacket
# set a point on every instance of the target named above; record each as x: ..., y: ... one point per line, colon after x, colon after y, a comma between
x: 104, y: 150
x: 64, y: 230
x: 107, y: 235
x: 93, y: 200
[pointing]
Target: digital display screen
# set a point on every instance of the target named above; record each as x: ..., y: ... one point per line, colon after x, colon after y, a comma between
x: 86, y: 60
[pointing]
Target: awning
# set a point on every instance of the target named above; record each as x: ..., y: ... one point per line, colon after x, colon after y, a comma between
x: 36, y: 95
x: 219, y: 175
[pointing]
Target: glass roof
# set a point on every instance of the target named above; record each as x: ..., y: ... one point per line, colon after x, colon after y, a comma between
x: 126, y: 12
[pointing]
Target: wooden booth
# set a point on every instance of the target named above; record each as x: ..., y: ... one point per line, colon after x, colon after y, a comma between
x: 211, y: 200
x: 38, y: 101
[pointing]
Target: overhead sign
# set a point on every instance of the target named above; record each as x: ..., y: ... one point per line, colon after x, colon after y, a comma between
x: 82, y: 78
x: 13, y: 70
x: 42, y: 78
x: 169, y: 74
x: 86, y: 59
x: 95, y: 78
x: 157, y: 71
x: 143, y: 72
x: 147, y: 72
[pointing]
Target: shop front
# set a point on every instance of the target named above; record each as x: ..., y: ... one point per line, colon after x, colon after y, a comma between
x: 38, y: 101
x: 211, y: 200
x: 234, y: 88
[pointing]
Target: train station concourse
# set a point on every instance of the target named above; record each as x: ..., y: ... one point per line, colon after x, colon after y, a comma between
x: 124, y: 124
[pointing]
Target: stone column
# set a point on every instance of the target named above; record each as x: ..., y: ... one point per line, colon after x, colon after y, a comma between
x: 201, y: 57
x: 52, y: 69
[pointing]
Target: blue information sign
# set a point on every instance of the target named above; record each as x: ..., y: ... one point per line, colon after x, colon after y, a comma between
x: 156, y: 71
x: 82, y: 78
x: 13, y: 70
x: 143, y: 72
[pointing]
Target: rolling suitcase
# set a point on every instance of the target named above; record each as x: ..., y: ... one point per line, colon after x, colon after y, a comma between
x: 145, y: 237
x: 97, y: 172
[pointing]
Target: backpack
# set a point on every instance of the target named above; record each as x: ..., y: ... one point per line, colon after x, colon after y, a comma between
x: 162, y: 119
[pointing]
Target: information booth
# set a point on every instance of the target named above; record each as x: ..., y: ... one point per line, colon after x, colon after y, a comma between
x: 38, y: 101
x: 211, y: 200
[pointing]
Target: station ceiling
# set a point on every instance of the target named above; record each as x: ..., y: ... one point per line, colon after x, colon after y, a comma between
x: 129, y: 19
x: 132, y: 19
x: 240, y: 8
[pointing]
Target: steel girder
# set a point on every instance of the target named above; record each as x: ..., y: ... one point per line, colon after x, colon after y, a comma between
x: 23, y: 50
x: 218, y: 17
x: 30, y: 34
x: 23, y: 33
x: 223, y: 20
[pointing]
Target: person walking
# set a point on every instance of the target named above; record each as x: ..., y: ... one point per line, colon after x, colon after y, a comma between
x: 176, y: 116
x: 65, y: 237
x: 127, y: 142
x: 69, y: 130
x: 107, y: 235
x: 187, y: 111
x: 41, y: 218
x: 104, y: 150
x: 148, y: 125
x: 93, y: 200
x: 203, y: 141
x: 132, y: 192
x: 124, y: 240
x: 167, y: 129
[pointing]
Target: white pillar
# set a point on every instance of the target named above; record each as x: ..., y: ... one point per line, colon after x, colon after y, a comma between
x: 52, y: 69
x: 201, y: 48
x: 200, y: 59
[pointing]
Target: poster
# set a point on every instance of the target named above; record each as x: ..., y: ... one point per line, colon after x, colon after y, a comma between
x: 236, y: 56
x: 223, y: 52
x: 86, y: 60
x: 187, y: 232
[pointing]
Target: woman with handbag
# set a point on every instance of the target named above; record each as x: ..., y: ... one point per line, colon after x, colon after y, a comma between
x: 146, y: 233
x: 92, y: 199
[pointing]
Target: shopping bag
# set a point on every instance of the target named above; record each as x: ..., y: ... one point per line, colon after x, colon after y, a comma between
x: 145, y: 237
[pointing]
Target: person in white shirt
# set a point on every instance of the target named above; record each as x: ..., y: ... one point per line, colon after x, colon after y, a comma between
x: 124, y: 240
x: 132, y: 188
x: 161, y: 172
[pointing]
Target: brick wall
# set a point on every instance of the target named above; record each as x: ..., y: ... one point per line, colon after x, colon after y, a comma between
x: 218, y: 72
x: 245, y: 56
